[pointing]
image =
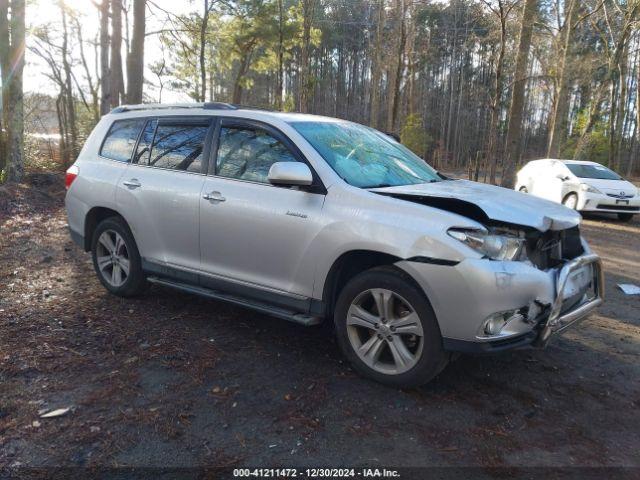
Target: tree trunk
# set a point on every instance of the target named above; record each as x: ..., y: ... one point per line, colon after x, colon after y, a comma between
x: 135, y: 58
x: 308, y: 8
x: 558, y: 117
x: 116, y: 77
x: 517, y: 99
x: 202, y: 56
x: 15, y: 126
x: 105, y: 84
x: 376, y: 69
x: 69, y: 103
x: 492, y: 155
x: 280, y: 86
x: 399, y: 68
x: 637, y: 128
x: 4, y: 77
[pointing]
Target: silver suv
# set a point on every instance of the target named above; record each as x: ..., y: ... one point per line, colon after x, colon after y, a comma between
x: 311, y: 218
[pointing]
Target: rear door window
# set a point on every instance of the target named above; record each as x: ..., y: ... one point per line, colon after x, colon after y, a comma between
x: 144, y: 145
x: 179, y: 146
x: 121, y: 139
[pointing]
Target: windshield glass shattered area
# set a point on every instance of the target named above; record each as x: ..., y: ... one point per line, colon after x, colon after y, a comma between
x: 592, y: 171
x: 364, y: 157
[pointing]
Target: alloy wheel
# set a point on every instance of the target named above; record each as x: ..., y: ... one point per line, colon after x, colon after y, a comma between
x: 385, y: 331
x: 113, y: 258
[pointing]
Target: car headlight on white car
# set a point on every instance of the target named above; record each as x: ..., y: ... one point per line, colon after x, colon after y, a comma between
x: 493, y: 245
x: 585, y: 187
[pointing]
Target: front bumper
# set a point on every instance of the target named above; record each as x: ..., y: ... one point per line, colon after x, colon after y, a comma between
x: 597, y: 202
x: 463, y: 296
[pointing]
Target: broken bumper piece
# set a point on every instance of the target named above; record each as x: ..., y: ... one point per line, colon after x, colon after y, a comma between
x: 487, y: 306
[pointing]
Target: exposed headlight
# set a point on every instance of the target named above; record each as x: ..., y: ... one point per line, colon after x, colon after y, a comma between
x: 585, y: 187
x: 494, y: 246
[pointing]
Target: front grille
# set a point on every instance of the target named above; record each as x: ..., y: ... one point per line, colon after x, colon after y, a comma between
x: 552, y: 248
x: 614, y: 195
x: 622, y: 208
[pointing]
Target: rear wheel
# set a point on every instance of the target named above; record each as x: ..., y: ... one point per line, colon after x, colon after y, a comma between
x: 625, y: 217
x: 116, y: 258
x: 387, y: 329
x: 524, y: 190
x: 570, y: 201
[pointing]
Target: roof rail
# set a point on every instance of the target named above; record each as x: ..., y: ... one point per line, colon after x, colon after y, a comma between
x: 166, y: 106
x: 219, y: 106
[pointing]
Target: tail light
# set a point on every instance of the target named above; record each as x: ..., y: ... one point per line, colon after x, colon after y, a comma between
x: 71, y: 175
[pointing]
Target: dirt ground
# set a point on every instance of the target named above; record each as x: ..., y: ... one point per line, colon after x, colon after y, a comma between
x: 170, y: 379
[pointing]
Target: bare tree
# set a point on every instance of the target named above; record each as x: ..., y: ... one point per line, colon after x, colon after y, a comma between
x: 376, y: 68
x: 517, y: 98
x: 202, y: 56
x: 69, y: 100
x: 105, y: 77
x: 5, y: 43
x: 501, y: 10
x: 135, y: 57
x: 116, y: 78
x: 308, y: 10
x: 395, y: 85
x: 12, y: 39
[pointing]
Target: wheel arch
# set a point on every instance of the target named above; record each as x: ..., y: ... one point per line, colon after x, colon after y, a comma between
x: 93, y: 218
x: 348, y: 265
x: 571, y: 192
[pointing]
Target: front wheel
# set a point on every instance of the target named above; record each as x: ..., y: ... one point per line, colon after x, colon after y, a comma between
x: 625, y: 217
x: 388, y: 330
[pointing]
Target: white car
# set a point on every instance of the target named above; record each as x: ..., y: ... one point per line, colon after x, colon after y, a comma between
x: 580, y: 185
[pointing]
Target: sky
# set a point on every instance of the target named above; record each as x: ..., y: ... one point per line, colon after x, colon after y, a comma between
x: 41, y: 13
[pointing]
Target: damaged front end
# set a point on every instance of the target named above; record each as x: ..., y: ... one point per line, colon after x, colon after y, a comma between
x: 535, y: 278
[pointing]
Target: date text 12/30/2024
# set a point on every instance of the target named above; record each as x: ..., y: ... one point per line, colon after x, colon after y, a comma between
x: 315, y: 473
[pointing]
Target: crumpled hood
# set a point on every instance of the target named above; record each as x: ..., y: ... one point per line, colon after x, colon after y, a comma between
x: 497, y: 203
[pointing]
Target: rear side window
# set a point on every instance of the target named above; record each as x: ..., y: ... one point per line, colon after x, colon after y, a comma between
x: 121, y: 139
x: 144, y: 145
x: 179, y: 146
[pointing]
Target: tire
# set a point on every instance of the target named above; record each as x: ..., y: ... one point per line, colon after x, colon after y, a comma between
x: 625, y: 217
x: 384, y: 344
x: 570, y: 201
x: 126, y: 258
x: 523, y: 190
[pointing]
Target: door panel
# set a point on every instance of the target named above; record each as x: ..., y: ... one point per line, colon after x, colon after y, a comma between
x: 163, y: 213
x: 252, y: 232
x: 259, y: 234
x: 160, y: 191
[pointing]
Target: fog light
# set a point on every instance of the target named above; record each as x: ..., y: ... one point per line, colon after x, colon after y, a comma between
x: 495, y: 323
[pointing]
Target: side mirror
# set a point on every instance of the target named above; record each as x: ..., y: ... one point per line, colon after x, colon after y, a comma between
x: 290, y: 173
x: 562, y: 177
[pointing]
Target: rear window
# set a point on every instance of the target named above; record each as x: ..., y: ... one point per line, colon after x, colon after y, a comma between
x: 121, y: 139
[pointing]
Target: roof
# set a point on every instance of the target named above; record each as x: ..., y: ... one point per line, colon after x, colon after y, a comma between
x: 226, y: 108
x: 579, y: 162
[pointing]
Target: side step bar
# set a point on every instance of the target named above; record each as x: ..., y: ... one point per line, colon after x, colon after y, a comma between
x: 296, y: 317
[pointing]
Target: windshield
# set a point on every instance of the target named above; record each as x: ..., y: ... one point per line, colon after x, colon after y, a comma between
x: 599, y: 172
x: 364, y: 157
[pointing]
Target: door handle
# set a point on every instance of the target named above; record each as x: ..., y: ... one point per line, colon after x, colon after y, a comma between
x: 214, y: 197
x: 133, y: 183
